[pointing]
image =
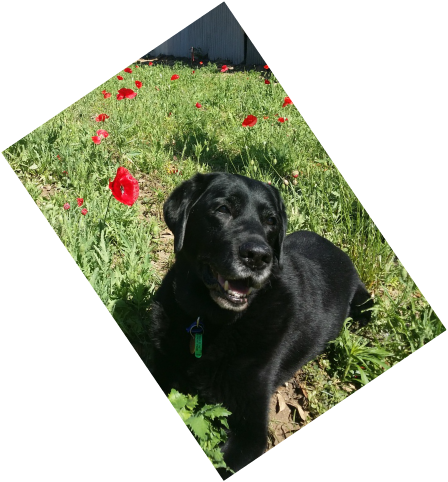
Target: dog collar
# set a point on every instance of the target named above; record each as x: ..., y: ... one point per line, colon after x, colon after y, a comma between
x: 196, y: 329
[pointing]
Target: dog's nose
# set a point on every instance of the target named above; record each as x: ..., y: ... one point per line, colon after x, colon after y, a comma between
x: 255, y: 255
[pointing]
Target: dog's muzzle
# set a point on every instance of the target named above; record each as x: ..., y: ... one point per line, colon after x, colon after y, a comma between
x: 233, y: 292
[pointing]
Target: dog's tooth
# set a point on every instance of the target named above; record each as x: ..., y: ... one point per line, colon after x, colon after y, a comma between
x: 226, y: 285
x: 250, y: 291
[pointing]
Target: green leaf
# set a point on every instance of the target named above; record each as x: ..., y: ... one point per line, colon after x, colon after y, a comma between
x: 199, y: 425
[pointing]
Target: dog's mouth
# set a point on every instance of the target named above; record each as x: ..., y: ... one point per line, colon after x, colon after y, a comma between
x: 229, y: 292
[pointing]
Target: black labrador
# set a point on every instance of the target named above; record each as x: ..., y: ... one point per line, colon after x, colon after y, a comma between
x: 244, y: 306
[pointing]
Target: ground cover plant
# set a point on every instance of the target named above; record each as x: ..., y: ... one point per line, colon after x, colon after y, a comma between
x: 158, y: 125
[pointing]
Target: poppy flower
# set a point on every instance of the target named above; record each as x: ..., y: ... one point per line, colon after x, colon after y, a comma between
x: 267, y: 81
x: 266, y: 67
x: 224, y: 68
x: 80, y: 201
x: 107, y: 95
x: 84, y: 211
x: 59, y: 156
x: 198, y: 105
x: 265, y: 117
x: 128, y: 70
x: 102, y: 118
x: 103, y: 91
x: 281, y: 119
x: 66, y: 206
x: 124, y: 187
x: 65, y: 172
x: 138, y: 84
x: 200, y: 63
x: 119, y: 77
x: 174, y: 77
x: 137, y: 66
x: 249, y: 121
x: 287, y: 101
x: 126, y: 94
x: 193, y: 72
x: 102, y: 132
x: 150, y: 63
x: 96, y: 139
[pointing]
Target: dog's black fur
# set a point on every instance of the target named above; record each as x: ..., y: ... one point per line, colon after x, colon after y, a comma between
x: 230, y: 227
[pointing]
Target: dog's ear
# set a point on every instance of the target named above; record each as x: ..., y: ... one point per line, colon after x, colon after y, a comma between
x: 178, y: 206
x: 278, y: 247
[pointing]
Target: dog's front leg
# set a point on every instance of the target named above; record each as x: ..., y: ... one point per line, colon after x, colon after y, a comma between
x: 248, y: 435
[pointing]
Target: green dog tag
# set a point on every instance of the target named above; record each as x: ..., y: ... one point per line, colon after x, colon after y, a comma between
x: 198, y: 345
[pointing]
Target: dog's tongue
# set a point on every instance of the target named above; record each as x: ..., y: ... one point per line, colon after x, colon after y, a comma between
x: 237, y: 285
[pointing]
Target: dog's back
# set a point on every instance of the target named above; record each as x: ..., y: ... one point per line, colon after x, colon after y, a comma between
x: 337, y: 271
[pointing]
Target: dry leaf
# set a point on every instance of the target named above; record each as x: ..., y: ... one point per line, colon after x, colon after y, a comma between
x: 281, y: 403
x: 300, y: 411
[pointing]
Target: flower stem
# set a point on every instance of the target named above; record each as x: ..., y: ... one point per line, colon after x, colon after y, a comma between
x: 103, y: 223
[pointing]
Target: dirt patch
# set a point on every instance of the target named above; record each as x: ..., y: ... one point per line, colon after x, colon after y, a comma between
x: 288, y: 410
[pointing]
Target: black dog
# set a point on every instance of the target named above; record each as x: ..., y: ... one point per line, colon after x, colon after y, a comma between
x: 267, y: 304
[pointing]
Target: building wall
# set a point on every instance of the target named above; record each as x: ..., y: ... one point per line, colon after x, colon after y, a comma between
x: 217, y: 34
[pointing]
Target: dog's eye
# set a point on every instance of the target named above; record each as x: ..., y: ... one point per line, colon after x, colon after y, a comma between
x: 271, y: 221
x: 223, y: 209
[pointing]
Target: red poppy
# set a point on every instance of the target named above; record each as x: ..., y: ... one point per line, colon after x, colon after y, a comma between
x: 102, y: 132
x: 128, y: 70
x: 150, y: 63
x: 124, y: 187
x: 107, y: 95
x: 79, y: 200
x: 198, y: 105
x: 249, y: 121
x: 287, y: 101
x: 266, y: 67
x: 119, y: 77
x: 126, y: 94
x: 224, y: 68
x: 84, y: 211
x: 267, y: 81
x: 59, y: 156
x: 265, y: 117
x: 65, y: 172
x: 103, y: 91
x: 281, y: 119
x: 193, y: 72
x: 138, y: 84
x: 137, y: 66
x: 200, y: 63
x: 174, y: 77
x: 96, y: 139
x: 66, y: 206
x: 102, y: 118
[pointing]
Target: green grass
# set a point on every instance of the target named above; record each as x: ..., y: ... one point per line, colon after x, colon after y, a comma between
x: 162, y: 129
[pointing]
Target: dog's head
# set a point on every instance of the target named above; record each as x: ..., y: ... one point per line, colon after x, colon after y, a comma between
x: 231, y: 230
